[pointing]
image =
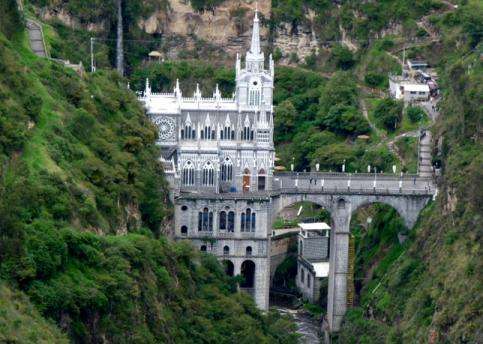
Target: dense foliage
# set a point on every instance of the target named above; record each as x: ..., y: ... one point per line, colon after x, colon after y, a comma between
x: 388, y: 113
x: 79, y: 163
x: 429, y: 289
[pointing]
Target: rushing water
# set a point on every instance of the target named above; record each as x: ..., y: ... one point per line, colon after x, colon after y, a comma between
x: 306, y: 326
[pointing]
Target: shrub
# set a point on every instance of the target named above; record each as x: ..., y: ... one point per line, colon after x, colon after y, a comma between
x: 345, y: 120
x: 374, y: 79
x: 343, y: 57
x: 415, y: 113
x: 389, y: 113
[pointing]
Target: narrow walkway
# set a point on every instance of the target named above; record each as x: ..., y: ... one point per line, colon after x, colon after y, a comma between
x: 36, y: 38
x: 425, y: 159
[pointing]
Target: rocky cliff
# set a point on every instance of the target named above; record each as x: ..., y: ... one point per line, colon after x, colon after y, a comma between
x: 225, y: 28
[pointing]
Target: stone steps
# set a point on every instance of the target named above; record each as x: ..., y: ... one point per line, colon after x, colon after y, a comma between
x: 36, y: 38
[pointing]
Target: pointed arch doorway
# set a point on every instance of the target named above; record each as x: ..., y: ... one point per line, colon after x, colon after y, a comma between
x: 246, y: 180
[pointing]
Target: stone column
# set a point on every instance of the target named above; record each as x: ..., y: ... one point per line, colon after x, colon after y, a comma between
x: 262, y: 282
x: 338, y: 268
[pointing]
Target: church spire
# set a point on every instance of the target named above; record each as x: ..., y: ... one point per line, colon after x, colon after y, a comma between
x: 255, y: 47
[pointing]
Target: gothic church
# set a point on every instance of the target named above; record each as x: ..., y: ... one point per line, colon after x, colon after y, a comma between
x: 219, y: 158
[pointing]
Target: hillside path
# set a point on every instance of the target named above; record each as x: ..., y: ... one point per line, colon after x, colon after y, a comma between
x: 36, y: 38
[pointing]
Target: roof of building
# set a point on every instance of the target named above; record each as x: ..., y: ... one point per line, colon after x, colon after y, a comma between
x: 321, y: 269
x: 315, y: 226
x: 417, y: 62
x: 416, y: 87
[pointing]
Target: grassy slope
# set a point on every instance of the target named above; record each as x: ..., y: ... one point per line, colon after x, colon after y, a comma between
x: 21, y: 322
x: 429, y: 290
x: 83, y: 160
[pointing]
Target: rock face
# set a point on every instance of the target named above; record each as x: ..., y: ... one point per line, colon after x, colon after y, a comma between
x: 295, y: 42
x: 227, y: 26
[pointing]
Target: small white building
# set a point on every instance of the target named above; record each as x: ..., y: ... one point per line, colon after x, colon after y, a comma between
x: 408, y: 90
x: 417, y: 64
x: 313, y: 258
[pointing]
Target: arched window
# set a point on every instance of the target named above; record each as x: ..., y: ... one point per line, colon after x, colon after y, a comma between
x: 205, y: 220
x: 188, y: 132
x: 208, y: 176
x: 248, y: 251
x: 261, y: 180
x: 226, y: 250
x: 203, y: 248
x: 302, y: 275
x: 308, y: 280
x: 248, y: 219
x: 184, y: 230
x: 341, y: 203
x: 227, y: 170
x: 242, y: 220
x: 188, y: 174
x: 222, y: 225
x: 231, y: 221
x: 246, y: 133
x: 207, y: 132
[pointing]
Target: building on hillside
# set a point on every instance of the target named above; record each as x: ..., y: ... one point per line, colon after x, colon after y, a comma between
x: 417, y: 65
x: 218, y: 155
x: 408, y: 89
x: 313, y: 259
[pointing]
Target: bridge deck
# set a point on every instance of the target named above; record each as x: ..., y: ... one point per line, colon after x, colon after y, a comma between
x: 331, y: 184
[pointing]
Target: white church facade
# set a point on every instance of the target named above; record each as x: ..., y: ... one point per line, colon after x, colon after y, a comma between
x: 219, y: 158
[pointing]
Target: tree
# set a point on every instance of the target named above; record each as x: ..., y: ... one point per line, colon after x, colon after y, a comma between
x: 277, y: 54
x: 415, y: 113
x: 285, y: 121
x: 345, y: 120
x: 343, y: 57
x: 373, y: 79
x: 389, y: 113
x: 341, y: 89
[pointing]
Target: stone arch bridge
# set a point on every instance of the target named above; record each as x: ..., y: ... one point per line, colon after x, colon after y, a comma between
x: 342, y: 194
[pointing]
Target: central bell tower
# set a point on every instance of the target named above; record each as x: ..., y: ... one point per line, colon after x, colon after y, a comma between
x: 254, y: 83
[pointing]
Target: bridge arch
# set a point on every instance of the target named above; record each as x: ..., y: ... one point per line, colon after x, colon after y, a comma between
x: 248, y: 273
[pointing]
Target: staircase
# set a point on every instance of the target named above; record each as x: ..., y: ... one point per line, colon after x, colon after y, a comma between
x: 350, y: 273
x: 36, y: 38
x: 425, y: 168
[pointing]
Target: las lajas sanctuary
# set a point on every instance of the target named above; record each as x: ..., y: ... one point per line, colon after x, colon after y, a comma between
x: 219, y: 158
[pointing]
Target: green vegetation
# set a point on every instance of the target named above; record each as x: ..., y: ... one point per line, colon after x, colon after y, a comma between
x: 78, y: 164
x: 429, y: 289
x: 388, y: 113
x: 408, y: 150
x: 20, y: 321
x: 415, y: 114
x: 11, y: 22
x: 203, y: 5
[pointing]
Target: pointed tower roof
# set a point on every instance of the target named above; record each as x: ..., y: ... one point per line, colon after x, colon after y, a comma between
x: 255, y: 54
x: 255, y: 46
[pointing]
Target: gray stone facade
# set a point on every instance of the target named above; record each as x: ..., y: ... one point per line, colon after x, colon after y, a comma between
x: 219, y: 156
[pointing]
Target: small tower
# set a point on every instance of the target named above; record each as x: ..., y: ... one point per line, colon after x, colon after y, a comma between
x: 254, y: 84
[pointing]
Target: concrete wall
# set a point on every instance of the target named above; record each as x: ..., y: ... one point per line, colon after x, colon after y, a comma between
x: 279, y: 249
x: 309, y: 292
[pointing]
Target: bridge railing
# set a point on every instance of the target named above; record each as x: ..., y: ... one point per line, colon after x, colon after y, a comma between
x: 354, y: 176
x: 355, y: 191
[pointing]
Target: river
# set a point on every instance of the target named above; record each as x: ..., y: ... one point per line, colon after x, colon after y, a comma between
x: 307, y: 327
